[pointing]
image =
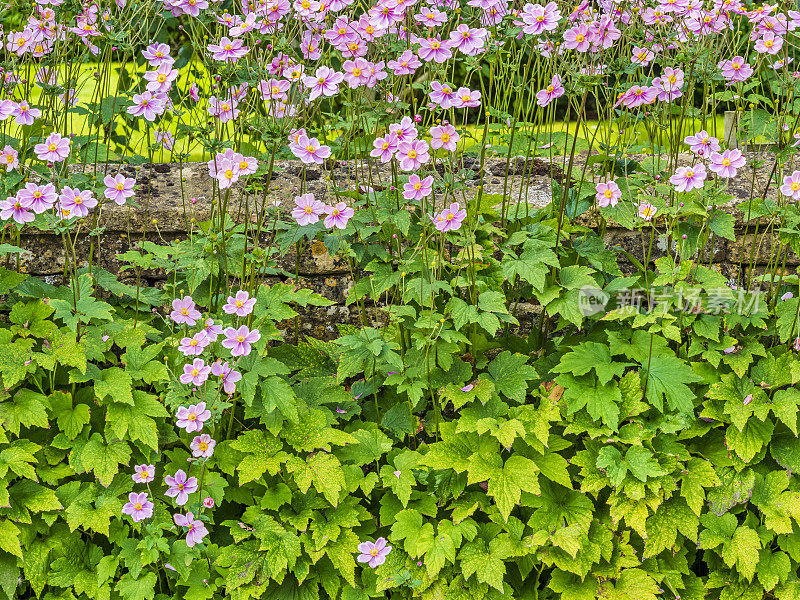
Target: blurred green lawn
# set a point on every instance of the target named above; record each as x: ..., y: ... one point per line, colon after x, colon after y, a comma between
x: 87, y: 88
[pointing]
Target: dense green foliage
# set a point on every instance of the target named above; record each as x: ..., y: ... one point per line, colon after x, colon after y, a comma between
x: 626, y: 454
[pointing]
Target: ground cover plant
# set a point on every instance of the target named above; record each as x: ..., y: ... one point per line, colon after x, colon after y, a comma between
x: 635, y: 440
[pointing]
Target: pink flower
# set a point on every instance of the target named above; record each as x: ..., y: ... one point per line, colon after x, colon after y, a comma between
x: 77, y: 202
x: 240, y: 305
x: 769, y: 43
x: 416, y: 188
x: 118, y: 188
x: 338, y: 215
x: 642, y: 56
x: 537, y: 19
x: 225, y: 110
x: 147, y: 105
x: 687, y: 179
x: 228, y: 50
x: 787, y: 296
x: 727, y: 163
x: 161, y: 79
x: 669, y: 84
x: 735, y: 70
x: 184, y: 311
x: 144, y: 473
x: 748, y: 399
x: 138, y: 507
x: 450, y: 218
x: 578, y: 38
x: 274, y: 89
x: 9, y: 158
x: 434, y: 49
x: 468, y: 41
x: 466, y: 98
x: 551, y: 92
x: 307, y: 210
x: 797, y: 344
x: 444, y: 136
x: 12, y: 208
x: 212, y: 330
x: 384, y: 147
x: 791, y: 186
x: 325, y: 82
x: 24, y: 114
x: 208, y: 502
x: 647, y: 211
x: 202, y: 446
x: 38, y: 198
x: 309, y: 150
x: 441, y: 94
x: 374, y: 554
x: 406, y: 64
x: 238, y: 341
x: 701, y: 143
x: 608, y: 193
x: 195, y: 373
x: 228, y: 375
x: 54, y: 149
x: 180, y: 487
x: 637, y: 96
x: 412, y: 155
x: 157, y: 54
x: 194, y: 346
x: 405, y: 130
x: 196, y: 528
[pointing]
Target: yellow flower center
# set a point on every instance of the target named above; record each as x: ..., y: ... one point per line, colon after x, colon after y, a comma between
x: 202, y: 446
x: 580, y: 37
x: 52, y: 147
x: 195, y: 372
x: 137, y: 506
x: 192, y: 417
x: 417, y: 186
x: 161, y: 78
x: 240, y: 338
x: 308, y: 210
x: 726, y: 162
x: 229, y: 174
x: 357, y: 72
x: 78, y: 200
x: 412, y: 154
x: 310, y: 148
x: 120, y: 186
x: 445, y: 137
x: 435, y: 45
x: 608, y: 193
x: 795, y: 186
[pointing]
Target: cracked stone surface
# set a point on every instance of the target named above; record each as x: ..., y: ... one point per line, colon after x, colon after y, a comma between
x: 170, y: 198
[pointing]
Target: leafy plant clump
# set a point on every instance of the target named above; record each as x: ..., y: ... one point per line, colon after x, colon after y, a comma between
x: 510, y: 406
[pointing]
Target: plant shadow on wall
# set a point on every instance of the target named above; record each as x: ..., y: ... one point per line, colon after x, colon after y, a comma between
x: 517, y: 408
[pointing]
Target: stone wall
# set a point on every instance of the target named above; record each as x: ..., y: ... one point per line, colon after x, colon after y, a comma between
x: 170, y: 197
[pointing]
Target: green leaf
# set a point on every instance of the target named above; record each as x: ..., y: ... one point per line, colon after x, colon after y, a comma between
x: 9, y: 538
x: 742, y: 550
x: 590, y: 355
x: 142, y: 588
x: 71, y: 419
x: 104, y: 458
x: 638, y: 461
x: 116, y: 384
x: 511, y: 374
x: 666, y: 377
x: 263, y: 454
x: 323, y: 470
x: 485, y: 565
x: 663, y: 526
